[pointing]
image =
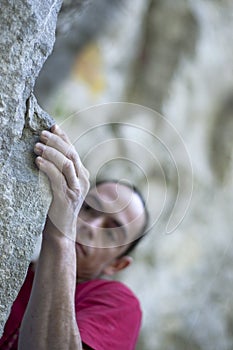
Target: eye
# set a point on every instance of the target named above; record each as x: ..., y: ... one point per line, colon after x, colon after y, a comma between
x: 87, y: 209
x: 86, y: 206
x: 111, y: 234
x: 114, y: 232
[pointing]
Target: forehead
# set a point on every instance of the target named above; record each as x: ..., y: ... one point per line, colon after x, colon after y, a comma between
x: 116, y: 197
x: 120, y: 201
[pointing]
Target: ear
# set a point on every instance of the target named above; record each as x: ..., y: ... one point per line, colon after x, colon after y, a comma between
x: 118, y: 265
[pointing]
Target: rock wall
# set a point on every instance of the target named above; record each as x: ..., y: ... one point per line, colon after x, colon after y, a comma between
x: 27, y: 37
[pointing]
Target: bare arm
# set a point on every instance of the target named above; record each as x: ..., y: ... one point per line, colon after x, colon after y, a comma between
x: 49, y: 322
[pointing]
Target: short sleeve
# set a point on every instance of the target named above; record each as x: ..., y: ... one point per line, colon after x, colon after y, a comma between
x: 9, y: 338
x: 108, y: 315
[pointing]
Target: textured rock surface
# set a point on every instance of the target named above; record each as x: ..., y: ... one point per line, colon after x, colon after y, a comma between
x: 178, y: 61
x: 27, y: 37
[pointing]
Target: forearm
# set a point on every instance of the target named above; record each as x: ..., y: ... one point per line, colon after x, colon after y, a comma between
x: 49, y: 322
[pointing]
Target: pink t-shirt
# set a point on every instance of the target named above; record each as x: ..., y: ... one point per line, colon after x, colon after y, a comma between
x: 107, y: 312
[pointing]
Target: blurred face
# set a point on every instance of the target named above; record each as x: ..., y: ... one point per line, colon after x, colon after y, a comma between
x: 111, y: 217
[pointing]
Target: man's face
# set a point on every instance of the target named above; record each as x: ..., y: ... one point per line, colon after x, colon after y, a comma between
x: 111, y: 217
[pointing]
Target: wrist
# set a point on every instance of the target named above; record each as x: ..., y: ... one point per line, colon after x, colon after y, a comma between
x: 58, y: 251
x: 58, y: 237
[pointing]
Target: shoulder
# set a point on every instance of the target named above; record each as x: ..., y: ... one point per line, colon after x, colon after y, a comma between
x: 112, y: 293
x: 100, y: 286
x: 108, y: 314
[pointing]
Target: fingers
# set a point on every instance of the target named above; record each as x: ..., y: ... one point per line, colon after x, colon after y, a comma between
x: 59, y: 132
x: 57, y: 181
x: 57, y: 162
x: 60, y: 141
x: 57, y: 142
x: 69, y: 179
x: 60, y: 155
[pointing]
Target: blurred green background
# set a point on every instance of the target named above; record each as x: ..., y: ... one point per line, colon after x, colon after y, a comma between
x: 170, y: 64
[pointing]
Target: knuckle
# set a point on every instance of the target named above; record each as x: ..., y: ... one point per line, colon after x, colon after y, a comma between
x: 87, y: 182
x: 74, y: 195
x: 50, y: 139
x: 61, y: 133
x: 87, y: 174
x: 67, y: 164
x: 86, y: 185
x: 71, y: 153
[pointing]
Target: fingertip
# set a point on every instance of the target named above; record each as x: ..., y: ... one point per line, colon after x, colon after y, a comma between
x: 39, y: 160
x: 53, y: 128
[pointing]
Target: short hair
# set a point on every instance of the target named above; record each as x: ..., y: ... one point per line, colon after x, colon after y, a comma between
x: 132, y: 245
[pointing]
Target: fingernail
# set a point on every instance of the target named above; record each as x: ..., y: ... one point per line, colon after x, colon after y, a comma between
x: 39, y: 148
x: 40, y: 145
x: 45, y: 134
x: 39, y: 160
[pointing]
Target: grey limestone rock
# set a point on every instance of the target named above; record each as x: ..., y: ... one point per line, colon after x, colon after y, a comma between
x: 26, y: 39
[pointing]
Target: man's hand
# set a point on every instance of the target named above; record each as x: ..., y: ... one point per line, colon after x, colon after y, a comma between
x: 58, y: 159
